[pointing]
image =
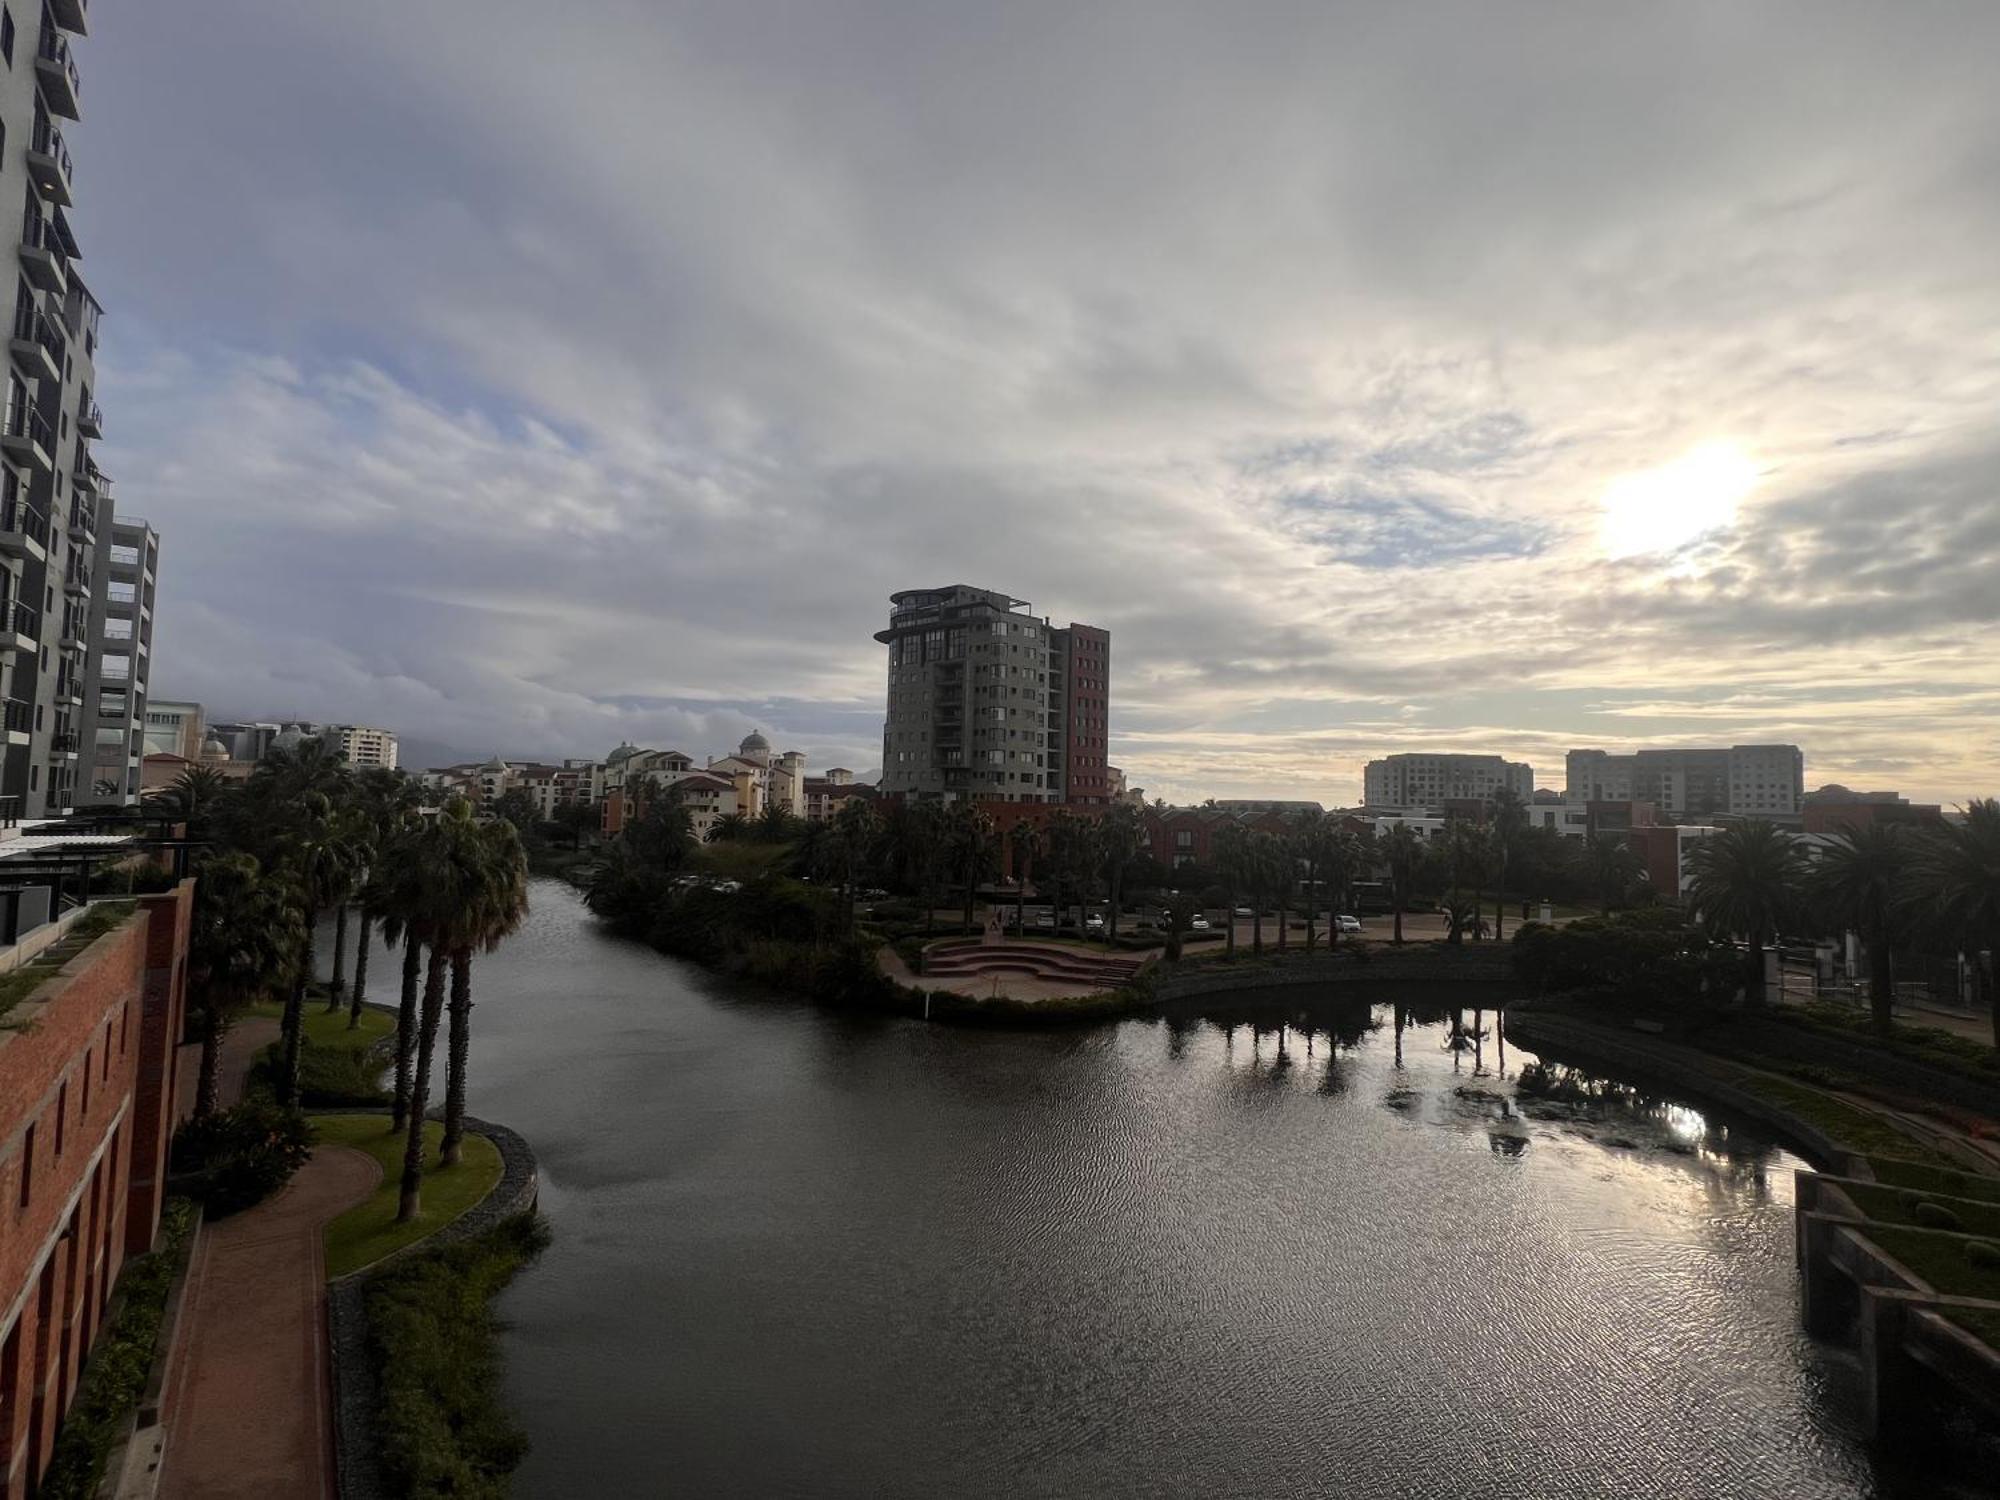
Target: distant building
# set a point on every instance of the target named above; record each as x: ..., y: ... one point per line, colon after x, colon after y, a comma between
x: 988, y: 702
x: 1834, y: 809
x: 1263, y: 805
x: 1426, y: 779
x: 1743, y: 781
x: 173, y: 728
x: 365, y: 748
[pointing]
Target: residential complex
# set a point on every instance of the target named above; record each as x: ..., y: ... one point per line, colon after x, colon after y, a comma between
x: 1424, y: 779
x: 250, y: 740
x: 1744, y: 781
x: 988, y: 701
x: 173, y: 728
x: 76, y: 584
x: 743, y: 784
x: 364, y: 747
x: 90, y: 1093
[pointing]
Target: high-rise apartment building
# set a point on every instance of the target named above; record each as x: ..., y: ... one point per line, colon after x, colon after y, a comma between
x: 1420, y: 779
x: 988, y: 701
x: 1744, y: 781
x: 364, y: 747
x: 60, y: 545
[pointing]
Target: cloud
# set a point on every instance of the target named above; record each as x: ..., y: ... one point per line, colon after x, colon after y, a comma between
x: 535, y: 406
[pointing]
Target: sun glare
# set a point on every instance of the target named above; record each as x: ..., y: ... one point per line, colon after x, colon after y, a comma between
x: 1664, y: 509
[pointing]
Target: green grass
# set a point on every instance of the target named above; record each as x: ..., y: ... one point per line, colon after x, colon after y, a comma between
x: 18, y: 984
x: 324, y: 1030
x: 1925, y: 1044
x: 1940, y: 1259
x: 1950, y: 1182
x: 1892, y: 1205
x: 1857, y: 1129
x: 369, y: 1231
x: 1982, y: 1322
x: 335, y: 1066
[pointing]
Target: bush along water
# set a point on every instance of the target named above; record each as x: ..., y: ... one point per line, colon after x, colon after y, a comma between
x: 443, y: 1426
x: 238, y: 1157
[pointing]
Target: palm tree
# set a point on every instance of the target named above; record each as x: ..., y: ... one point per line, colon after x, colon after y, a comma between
x: 1122, y: 831
x: 1230, y: 852
x: 1026, y: 840
x: 1612, y: 869
x: 1958, y: 877
x: 244, y: 932
x: 1510, y: 820
x: 970, y: 839
x: 440, y: 895
x: 400, y: 898
x: 1310, y: 834
x: 496, y: 880
x: 316, y: 859
x: 360, y: 830
x: 192, y: 799
x: 856, y: 831
x: 1861, y: 883
x: 1404, y: 856
x: 389, y: 801
x: 1343, y: 860
x: 1746, y: 880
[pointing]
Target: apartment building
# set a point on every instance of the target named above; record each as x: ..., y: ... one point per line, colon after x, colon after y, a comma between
x: 365, y: 748
x: 57, y: 514
x: 120, y: 670
x: 988, y: 701
x: 1743, y: 781
x: 1425, y: 779
x: 89, y: 1097
x: 174, y: 728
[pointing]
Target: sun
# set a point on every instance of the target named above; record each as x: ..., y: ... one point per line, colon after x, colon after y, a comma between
x: 1663, y: 510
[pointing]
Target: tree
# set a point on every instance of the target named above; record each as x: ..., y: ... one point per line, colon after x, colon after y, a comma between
x: 1861, y: 882
x: 358, y: 827
x: 856, y: 833
x: 516, y: 805
x: 1745, y: 881
x: 1958, y: 885
x: 1310, y: 834
x: 578, y: 818
x: 775, y: 824
x: 1342, y: 862
x: 244, y: 934
x: 494, y: 871
x: 1612, y: 869
x: 1026, y: 841
x: 1122, y: 832
x: 1231, y: 855
x: 1067, y: 855
x: 1404, y: 857
x: 316, y: 858
x: 192, y: 800
x: 1510, y: 821
x: 388, y: 802
x: 969, y: 838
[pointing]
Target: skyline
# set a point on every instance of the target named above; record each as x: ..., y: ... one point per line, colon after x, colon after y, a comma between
x: 1505, y: 384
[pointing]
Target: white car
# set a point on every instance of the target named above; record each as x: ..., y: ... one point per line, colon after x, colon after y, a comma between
x: 1345, y: 923
x: 1244, y: 911
x: 1093, y: 923
x: 1197, y: 923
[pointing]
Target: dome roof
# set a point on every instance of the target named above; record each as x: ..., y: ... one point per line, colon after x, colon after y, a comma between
x: 625, y: 751
x: 213, y: 749
x: 754, y: 741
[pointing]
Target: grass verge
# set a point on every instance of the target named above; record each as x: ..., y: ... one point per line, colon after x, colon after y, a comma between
x: 1951, y: 1182
x: 1893, y: 1205
x: 1982, y: 1322
x: 431, y: 1332
x: 1856, y: 1129
x: 115, y: 1378
x: 368, y: 1231
x: 17, y: 985
x: 1944, y: 1260
x: 336, y: 1064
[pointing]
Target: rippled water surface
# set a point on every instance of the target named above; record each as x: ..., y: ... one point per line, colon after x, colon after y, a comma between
x: 799, y: 1255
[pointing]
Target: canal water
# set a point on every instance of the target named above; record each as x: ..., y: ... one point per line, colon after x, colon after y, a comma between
x: 798, y: 1254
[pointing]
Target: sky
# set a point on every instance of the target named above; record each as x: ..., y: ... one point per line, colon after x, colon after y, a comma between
x: 528, y: 378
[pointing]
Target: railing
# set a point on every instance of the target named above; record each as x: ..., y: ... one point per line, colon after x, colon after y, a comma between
x: 20, y: 715
x: 21, y: 620
x: 48, y: 141
x: 90, y: 417
x: 16, y: 514
x: 21, y: 420
x: 39, y: 233
x: 123, y: 556
x: 82, y: 517
x: 54, y: 48
x: 121, y: 594
x: 76, y: 575
x: 117, y: 630
x: 64, y: 743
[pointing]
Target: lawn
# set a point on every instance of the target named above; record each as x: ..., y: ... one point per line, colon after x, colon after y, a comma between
x: 1982, y: 1321
x: 1941, y: 1259
x: 1890, y: 1205
x: 1856, y: 1129
x: 330, y: 1030
x: 1944, y: 1181
x: 369, y: 1231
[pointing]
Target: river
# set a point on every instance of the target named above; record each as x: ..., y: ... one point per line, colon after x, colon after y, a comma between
x: 800, y: 1254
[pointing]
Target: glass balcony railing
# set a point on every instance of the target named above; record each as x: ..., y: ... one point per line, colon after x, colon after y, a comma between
x: 48, y: 157
x: 60, y: 84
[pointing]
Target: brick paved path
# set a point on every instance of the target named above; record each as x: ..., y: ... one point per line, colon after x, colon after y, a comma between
x: 253, y: 1418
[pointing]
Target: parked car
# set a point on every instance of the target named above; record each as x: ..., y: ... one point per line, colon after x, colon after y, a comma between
x: 1244, y: 911
x: 1344, y: 923
x: 1093, y: 924
x: 1046, y: 921
x: 1197, y: 923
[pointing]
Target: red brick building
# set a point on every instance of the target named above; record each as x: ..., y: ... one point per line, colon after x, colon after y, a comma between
x: 87, y: 1108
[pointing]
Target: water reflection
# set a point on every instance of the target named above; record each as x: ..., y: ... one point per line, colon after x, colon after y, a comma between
x: 1307, y: 1249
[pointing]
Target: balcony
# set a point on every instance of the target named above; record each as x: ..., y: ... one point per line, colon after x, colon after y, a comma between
x: 20, y: 719
x: 90, y: 419
x: 56, y: 71
x: 76, y: 579
x: 24, y: 434
x: 24, y: 531
x: 82, y: 521
x: 71, y: 15
x: 44, y: 260
x: 19, y: 625
x: 38, y: 345
x: 75, y: 632
x: 66, y: 744
x: 48, y: 163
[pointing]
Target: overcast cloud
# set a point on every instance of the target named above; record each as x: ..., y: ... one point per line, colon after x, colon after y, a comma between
x: 531, y: 377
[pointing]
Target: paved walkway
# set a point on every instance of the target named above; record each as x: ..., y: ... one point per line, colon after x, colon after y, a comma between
x: 254, y: 1413
x: 240, y: 1047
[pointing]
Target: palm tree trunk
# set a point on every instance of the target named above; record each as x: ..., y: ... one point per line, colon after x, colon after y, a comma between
x: 1399, y: 919
x: 1756, y: 989
x: 1229, y: 919
x: 1257, y: 923
x: 360, y: 975
x: 1881, y: 982
x: 292, y: 1028
x: 208, y: 1085
x: 1500, y: 903
x: 411, y: 1203
x: 406, y: 1027
x: 338, y: 983
x: 456, y: 1054
x: 1021, y: 900
x: 1117, y: 895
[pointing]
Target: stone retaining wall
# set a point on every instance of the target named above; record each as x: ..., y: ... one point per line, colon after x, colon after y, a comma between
x: 1430, y: 965
x: 355, y: 1392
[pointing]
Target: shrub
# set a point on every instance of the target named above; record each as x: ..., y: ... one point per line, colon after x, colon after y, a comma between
x: 1935, y: 1216
x: 329, y: 1077
x: 431, y: 1334
x: 1650, y: 955
x: 240, y: 1156
x: 115, y: 1377
x: 1984, y: 1254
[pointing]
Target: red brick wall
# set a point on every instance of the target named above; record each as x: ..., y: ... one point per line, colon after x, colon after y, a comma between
x: 73, y: 1103
x: 1089, y: 711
